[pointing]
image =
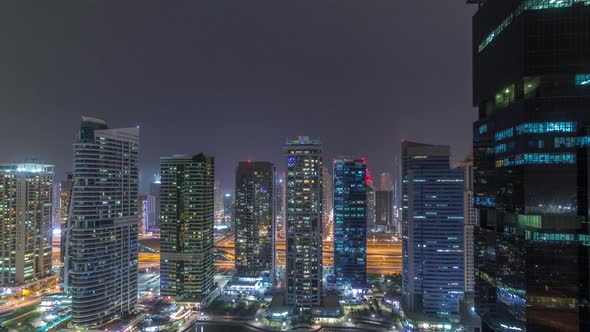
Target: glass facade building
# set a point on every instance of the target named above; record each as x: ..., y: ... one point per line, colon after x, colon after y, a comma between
x: 186, y: 233
x: 383, y: 210
x: 65, y: 196
x: 25, y: 222
x: 350, y: 223
x: 154, y: 225
x: 371, y: 205
x: 101, y: 235
x: 304, y: 223
x: 432, y: 238
x: 254, y: 219
x: 531, y: 164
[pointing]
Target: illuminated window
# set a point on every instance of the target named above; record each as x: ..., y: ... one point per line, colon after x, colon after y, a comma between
x: 546, y: 127
x: 537, y: 158
x: 583, y: 79
x: 564, y: 142
x: 505, y: 97
x: 500, y: 148
x: 530, y: 85
x: 524, y: 6
x: 506, y: 133
x: 529, y: 221
x: 483, y: 128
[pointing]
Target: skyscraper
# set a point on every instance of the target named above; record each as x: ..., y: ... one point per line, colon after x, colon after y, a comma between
x: 532, y: 89
x: 432, y: 231
x: 254, y: 219
x: 186, y: 254
x: 218, y: 204
x: 65, y: 195
x: 154, y: 227
x: 350, y: 223
x: 280, y: 206
x: 146, y: 213
x: 470, y: 221
x: 371, y: 203
x: 228, y: 209
x: 328, y: 200
x: 397, y: 194
x: 304, y: 222
x: 101, y: 235
x: 386, y: 181
x: 25, y: 222
x: 383, y: 210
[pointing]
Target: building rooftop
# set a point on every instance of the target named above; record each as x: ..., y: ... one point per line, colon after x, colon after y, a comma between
x: 302, y: 140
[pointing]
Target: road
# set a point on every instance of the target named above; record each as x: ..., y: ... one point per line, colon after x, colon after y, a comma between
x: 384, y: 256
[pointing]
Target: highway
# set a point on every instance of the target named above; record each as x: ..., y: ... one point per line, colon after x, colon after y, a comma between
x: 384, y: 256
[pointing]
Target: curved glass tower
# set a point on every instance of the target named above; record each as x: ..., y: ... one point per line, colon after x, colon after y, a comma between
x: 101, y: 234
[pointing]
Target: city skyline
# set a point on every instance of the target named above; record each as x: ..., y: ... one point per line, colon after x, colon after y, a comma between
x: 418, y: 166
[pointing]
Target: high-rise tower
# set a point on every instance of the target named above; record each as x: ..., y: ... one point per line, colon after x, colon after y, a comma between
x: 432, y: 230
x: 101, y: 235
x: 304, y: 222
x: 350, y: 223
x: 254, y: 218
x: 186, y: 254
x: 154, y: 200
x: 531, y: 67
x: 65, y: 196
x: 25, y: 222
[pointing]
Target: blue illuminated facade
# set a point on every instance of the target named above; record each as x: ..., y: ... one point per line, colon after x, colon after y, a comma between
x: 350, y: 226
x: 432, y: 243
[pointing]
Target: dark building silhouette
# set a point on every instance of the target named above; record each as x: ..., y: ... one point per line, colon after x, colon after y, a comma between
x: 254, y: 218
x: 383, y: 210
x: 532, y: 89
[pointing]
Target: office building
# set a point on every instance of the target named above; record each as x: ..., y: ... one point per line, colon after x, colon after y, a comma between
x: 65, y: 195
x: 531, y: 68
x: 397, y: 194
x: 280, y: 206
x: 219, y: 200
x: 228, y: 209
x: 470, y: 222
x: 25, y: 222
x: 154, y: 227
x: 254, y: 219
x: 350, y: 224
x: 383, y: 210
x: 432, y: 244
x: 147, y: 214
x: 304, y: 222
x: 328, y: 200
x: 386, y: 182
x: 186, y: 241
x: 371, y: 203
x: 101, y: 234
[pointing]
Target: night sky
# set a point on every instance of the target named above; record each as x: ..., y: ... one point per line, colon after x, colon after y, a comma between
x: 235, y: 78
